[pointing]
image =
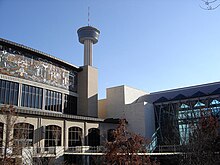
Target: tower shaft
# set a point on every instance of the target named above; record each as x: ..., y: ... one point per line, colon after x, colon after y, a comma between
x: 88, y: 36
x: 88, y: 52
x: 88, y: 76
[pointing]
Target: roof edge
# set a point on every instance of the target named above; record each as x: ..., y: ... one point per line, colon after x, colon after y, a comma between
x: 185, y: 88
x: 37, y: 51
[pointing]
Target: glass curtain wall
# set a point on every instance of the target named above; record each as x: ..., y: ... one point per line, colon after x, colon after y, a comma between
x: 177, y: 120
x: 8, y: 92
x: 53, y: 101
x: 31, y: 96
x: 70, y: 105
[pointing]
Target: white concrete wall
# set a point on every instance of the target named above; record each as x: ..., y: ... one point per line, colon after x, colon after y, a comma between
x: 149, y: 120
x: 120, y: 103
x: 135, y: 115
x: 132, y: 94
x: 118, y: 97
x: 140, y: 117
x: 115, y: 102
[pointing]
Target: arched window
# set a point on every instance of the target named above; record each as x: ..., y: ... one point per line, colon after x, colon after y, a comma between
x: 75, y: 136
x: 111, y: 136
x: 94, y: 137
x: 23, y: 134
x: 52, y: 136
x: 1, y: 134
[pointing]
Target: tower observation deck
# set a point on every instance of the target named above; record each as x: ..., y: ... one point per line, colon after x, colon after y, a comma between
x: 88, y: 36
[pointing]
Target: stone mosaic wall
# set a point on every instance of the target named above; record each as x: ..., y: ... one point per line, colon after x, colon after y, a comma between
x: 27, y: 66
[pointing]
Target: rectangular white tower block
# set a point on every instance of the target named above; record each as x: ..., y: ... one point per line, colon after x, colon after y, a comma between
x: 88, y: 91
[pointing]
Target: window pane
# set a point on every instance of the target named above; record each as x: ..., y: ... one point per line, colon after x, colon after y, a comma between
x: 70, y: 105
x: 33, y: 97
x: 52, y: 101
x: 53, y: 136
x: 8, y: 92
x: 29, y: 96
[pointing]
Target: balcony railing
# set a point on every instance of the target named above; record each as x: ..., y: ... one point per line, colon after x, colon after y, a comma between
x: 169, y: 148
x: 34, y: 151
x: 50, y: 151
x: 85, y: 149
x: 44, y: 150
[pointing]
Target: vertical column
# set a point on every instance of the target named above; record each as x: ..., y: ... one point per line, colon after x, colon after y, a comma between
x: 63, y: 101
x: 43, y: 99
x: 85, y: 141
x: 39, y: 134
x: 65, y: 134
x: 19, y: 94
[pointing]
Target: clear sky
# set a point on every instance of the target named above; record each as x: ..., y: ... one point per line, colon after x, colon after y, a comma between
x: 151, y: 45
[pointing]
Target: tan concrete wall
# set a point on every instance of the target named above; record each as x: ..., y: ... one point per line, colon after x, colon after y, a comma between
x: 93, y: 92
x: 30, y: 120
x: 88, y: 91
x: 102, y: 108
x: 39, y: 122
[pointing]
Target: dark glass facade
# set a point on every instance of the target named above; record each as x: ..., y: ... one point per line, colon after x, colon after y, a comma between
x: 8, y: 92
x: 176, y: 120
x: 40, y: 68
x: 70, y: 105
x: 111, y: 135
x: 75, y: 136
x: 53, y: 101
x: 23, y: 134
x: 94, y: 137
x: 31, y: 96
x: 53, y: 136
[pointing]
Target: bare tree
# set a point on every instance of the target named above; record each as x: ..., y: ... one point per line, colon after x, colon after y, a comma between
x: 127, y: 148
x: 9, y: 118
x: 17, y: 145
x: 210, y: 4
x: 204, y: 143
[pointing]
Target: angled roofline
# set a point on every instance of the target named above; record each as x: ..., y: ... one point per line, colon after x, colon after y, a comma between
x: 48, y: 56
x: 186, y: 88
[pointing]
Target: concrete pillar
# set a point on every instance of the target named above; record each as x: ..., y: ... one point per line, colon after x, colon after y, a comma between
x: 88, y: 92
x: 43, y: 99
x: 63, y: 101
x: 19, y: 94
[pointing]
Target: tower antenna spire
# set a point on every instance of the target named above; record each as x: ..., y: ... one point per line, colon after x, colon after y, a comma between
x: 88, y: 16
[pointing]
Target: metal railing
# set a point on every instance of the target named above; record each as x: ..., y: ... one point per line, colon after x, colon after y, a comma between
x: 52, y: 151
x: 169, y: 148
x: 44, y: 150
x: 85, y: 149
x: 34, y: 151
x: 153, y: 144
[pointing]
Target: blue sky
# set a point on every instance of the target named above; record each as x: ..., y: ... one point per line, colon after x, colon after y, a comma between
x: 149, y: 45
